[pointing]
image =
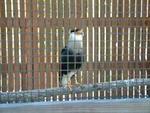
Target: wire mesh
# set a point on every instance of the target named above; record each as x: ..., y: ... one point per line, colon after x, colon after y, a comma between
x: 116, y: 44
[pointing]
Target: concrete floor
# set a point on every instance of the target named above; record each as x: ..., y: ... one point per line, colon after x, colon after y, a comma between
x: 85, y: 106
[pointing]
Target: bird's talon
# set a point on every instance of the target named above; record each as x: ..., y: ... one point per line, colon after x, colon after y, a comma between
x: 68, y: 86
x: 77, y: 83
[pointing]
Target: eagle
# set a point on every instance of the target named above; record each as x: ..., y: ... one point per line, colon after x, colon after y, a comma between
x: 71, y: 58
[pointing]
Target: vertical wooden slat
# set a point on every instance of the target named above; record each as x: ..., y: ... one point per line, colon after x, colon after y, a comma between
x: 148, y: 52
x: 144, y: 71
x: 65, y: 22
x: 60, y: 38
x: 48, y: 50
x: 90, y: 44
x: 120, y: 5
x: 137, y: 47
x: 125, y: 45
x: 42, y: 48
x: 16, y: 46
x: 84, y: 67
x: 35, y: 53
x: 72, y: 9
x: 148, y: 59
x: 28, y: 46
x: 78, y: 25
x: 96, y: 46
x: 3, y: 46
x: 54, y: 44
x: 72, y: 14
x: 108, y: 49
x: 131, y: 46
x: 72, y: 26
x: 102, y: 47
x: 114, y: 42
x: 10, y: 56
x: 78, y: 7
x: 23, y: 59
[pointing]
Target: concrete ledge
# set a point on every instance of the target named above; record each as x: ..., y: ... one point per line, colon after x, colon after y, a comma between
x: 39, y: 95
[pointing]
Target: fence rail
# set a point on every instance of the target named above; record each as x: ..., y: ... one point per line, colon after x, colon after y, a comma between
x: 116, y: 43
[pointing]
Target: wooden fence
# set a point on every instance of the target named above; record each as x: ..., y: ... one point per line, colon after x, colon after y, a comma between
x: 116, y: 43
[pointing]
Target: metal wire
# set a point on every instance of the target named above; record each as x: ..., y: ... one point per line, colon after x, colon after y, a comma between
x: 116, y: 45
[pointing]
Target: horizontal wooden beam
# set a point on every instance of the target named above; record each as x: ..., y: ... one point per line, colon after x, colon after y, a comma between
x: 107, y: 65
x: 82, y: 22
x: 39, y: 95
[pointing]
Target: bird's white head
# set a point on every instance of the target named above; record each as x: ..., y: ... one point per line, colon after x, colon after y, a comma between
x: 76, y: 34
x: 76, y: 39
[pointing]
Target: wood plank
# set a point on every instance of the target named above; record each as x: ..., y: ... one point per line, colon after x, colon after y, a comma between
x: 16, y: 46
x: 78, y: 25
x: 35, y: 52
x: 148, y: 51
x: 108, y: 49
x: 54, y: 47
x: 10, y: 50
x: 102, y: 8
x: 95, y: 47
x: 3, y: 46
x: 72, y: 25
x: 28, y: 46
x: 92, y: 21
x: 143, y: 47
x: 72, y: 9
x: 66, y: 24
x: 42, y: 47
x: 137, y: 48
x: 90, y: 46
x: 60, y: 39
x: 125, y: 48
x: 120, y: 15
x: 78, y: 7
x: 131, y: 72
x: 148, y: 64
x: 22, y: 38
x: 84, y: 67
x: 114, y: 42
x: 48, y: 47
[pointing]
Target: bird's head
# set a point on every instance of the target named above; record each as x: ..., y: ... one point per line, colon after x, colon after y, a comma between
x: 76, y: 33
x: 75, y: 40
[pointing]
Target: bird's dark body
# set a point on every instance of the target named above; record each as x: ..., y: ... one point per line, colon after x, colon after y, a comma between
x: 70, y: 61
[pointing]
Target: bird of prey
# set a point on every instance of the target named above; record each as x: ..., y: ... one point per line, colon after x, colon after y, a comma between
x: 71, y: 58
